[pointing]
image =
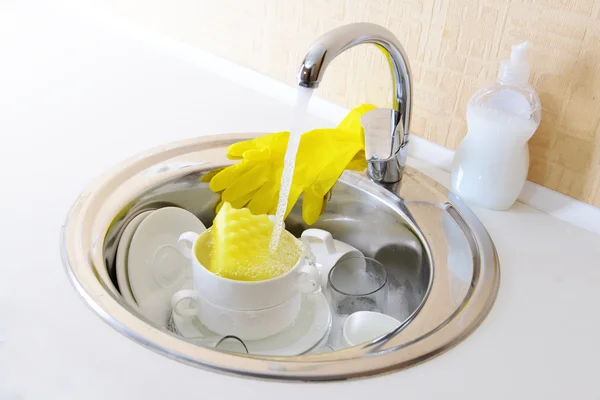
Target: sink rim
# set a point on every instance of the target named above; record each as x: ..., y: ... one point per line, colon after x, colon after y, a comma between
x: 344, y: 364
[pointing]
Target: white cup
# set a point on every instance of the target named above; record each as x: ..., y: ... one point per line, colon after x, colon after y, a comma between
x: 251, y: 309
x: 327, y: 250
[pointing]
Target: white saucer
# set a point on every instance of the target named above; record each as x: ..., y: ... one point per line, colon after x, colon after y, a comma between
x: 155, y: 267
x: 122, y: 252
x: 311, y: 326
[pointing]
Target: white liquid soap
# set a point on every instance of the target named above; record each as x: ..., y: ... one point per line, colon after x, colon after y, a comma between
x: 491, y: 164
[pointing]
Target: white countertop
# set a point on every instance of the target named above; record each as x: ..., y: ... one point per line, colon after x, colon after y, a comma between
x: 75, y: 99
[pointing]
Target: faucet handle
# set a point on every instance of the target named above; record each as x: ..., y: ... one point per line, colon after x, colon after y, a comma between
x: 383, y: 134
x: 384, y: 150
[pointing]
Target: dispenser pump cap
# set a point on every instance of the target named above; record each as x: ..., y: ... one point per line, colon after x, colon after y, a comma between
x: 515, y: 70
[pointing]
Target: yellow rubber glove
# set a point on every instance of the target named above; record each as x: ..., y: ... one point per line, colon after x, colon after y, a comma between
x: 323, y: 154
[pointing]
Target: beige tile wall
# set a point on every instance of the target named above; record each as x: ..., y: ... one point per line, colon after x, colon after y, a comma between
x: 454, y: 47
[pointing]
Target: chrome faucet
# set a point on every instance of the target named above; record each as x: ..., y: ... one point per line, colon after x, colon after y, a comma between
x: 386, y: 159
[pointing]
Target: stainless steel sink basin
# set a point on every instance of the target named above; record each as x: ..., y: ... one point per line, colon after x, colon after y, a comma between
x: 444, y: 267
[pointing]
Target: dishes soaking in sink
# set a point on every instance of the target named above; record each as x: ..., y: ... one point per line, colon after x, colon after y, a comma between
x: 310, y: 328
x: 147, y: 280
x: 155, y: 267
x: 150, y: 268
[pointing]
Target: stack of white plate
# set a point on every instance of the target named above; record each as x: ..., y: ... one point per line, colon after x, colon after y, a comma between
x: 149, y: 267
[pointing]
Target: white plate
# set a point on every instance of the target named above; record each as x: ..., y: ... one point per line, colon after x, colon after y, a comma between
x: 311, y: 326
x: 155, y: 267
x: 122, y: 252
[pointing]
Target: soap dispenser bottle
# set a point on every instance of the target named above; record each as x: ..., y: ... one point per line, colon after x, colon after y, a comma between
x: 491, y: 164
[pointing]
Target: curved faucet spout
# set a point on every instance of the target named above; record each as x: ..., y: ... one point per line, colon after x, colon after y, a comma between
x: 385, y: 166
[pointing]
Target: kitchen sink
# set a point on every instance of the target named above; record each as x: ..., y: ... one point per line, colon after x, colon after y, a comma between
x: 443, y: 267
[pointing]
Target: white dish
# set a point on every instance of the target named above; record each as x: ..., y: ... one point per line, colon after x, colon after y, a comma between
x: 155, y: 268
x: 122, y: 252
x: 364, y: 326
x: 311, y: 326
x: 327, y: 250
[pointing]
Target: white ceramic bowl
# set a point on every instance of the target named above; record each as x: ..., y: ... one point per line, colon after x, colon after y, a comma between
x: 247, y: 325
x: 364, y: 326
x: 244, y: 295
x: 310, y: 327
